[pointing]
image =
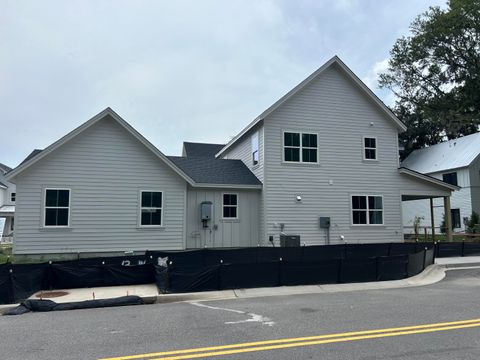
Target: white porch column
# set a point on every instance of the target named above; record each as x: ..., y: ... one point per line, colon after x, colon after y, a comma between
x: 432, y: 217
x: 448, y: 217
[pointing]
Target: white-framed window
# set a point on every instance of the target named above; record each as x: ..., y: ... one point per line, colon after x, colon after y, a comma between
x: 369, y: 148
x: 57, y: 208
x: 255, y: 154
x: 367, y: 209
x: 151, y: 208
x: 300, y: 147
x: 230, y: 206
x: 13, y: 197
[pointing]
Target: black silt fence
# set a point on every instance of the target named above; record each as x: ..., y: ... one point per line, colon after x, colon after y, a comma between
x: 222, y: 276
x: 213, y: 269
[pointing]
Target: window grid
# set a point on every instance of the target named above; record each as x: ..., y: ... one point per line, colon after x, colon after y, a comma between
x: 300, y: 147
x: 230, y: 206
x: 57, y: 213
x: 367, y: 210
x: 369, y: 148
x: 151, y: 208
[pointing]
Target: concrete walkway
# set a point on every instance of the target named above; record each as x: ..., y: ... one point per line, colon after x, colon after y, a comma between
x: 149, y: 292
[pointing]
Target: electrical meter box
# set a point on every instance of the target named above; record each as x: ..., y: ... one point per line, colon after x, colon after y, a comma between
x: 206, y: 210
x: 324, y: 222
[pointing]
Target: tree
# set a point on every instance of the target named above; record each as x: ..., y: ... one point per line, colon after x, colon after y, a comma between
x: 473, y: 224
x: 435, y: 75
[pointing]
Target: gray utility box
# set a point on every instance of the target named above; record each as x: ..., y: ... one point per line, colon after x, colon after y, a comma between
x: 289, y: 240
x: 324, y: 222
x: 206, y: 210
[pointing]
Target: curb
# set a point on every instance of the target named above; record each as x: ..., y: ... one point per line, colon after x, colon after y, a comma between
x: 431, y: 275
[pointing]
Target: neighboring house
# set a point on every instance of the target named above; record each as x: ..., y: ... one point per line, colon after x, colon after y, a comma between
x: 456, y: 162
x: 329, y: 148
x: 7, y: 205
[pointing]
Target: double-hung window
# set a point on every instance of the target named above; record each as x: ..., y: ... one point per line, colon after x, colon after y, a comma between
x: 13, y: 197
x: 230, y: 206
x: 367, y: 210
x: 57, y: 208
x: 300, y: 147
x: 151, y: 210
x: 369, y: 148
x: 255, y: 157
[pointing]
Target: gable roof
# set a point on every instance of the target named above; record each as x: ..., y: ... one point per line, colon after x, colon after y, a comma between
x: 107, y: 112
x: 193, y: 149
x: 452, y: 154
x: 4, y: 168
x: 211, y: 171
x: 349, y: 73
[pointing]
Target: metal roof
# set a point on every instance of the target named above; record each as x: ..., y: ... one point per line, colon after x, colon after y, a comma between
x: 205, y: 170
x: 193, y: 149
x: 452, y: 154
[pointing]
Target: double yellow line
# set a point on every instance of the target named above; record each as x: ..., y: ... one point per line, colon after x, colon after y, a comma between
x: 239, y: 348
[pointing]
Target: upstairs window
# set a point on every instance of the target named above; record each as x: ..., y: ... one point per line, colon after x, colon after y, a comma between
x: 151, y: 208
x: 300, y: 147
x: 230, y: 206
x: 367, y: 210
x: 255, y: 157
x: 369, y: 148
x: 450, y: 178
x: 57, y: 207
x: 13, y: 197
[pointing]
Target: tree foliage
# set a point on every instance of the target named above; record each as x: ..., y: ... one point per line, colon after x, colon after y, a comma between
x: 435, y: 74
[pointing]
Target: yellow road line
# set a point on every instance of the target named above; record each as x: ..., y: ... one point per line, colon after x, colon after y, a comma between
x: 296, y: 340
x: 310, y: 343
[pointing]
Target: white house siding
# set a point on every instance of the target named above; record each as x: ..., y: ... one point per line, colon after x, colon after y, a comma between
x: 475, y: 184
x: 333, y: 107
x: 105, y: 164
x: 461, y: 199
x: 240, y: 232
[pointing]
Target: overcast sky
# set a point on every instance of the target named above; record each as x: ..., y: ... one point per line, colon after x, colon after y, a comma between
x: 176, y: 70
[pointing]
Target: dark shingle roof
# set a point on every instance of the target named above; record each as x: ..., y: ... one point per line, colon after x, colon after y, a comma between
x: 4, y: 168
x: 201, y: 149
x: 31, y: 155
x: 216, y: 171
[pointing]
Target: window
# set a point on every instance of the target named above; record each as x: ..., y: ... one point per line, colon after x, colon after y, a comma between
x: 230, y: 206
x: 57, y: 207
x: 255, y: 158
x: 367, y: 210
x: 450, y: 178
x: 12, y: 224
x: 151, y: 208
x: 369, y: 148
x: 456, y: 218
x: 300, y: 147
x: 13, y: 197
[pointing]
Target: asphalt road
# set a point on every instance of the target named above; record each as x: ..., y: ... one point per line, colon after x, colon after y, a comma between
x: 115, y: 332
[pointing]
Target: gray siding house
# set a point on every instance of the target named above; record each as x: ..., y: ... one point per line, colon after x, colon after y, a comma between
x: 328, y: 148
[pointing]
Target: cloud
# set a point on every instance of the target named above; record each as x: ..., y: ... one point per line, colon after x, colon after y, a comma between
x: 176, y: 70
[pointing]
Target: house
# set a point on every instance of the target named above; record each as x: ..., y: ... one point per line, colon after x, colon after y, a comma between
x: 7, y: 205
x: 456, y: 162
x: 327, y: 149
